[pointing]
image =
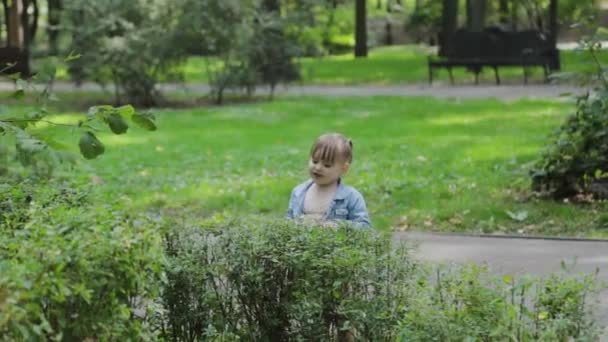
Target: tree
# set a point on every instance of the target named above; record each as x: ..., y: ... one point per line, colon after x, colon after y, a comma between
x: 449, y: 20
x: 360, y: 28
x: 476, y: 14
x: 54, y: 20
x: 14, y: 26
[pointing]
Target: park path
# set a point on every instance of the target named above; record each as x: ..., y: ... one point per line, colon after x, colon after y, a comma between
x: 511, y: 91
x: 518, y: 256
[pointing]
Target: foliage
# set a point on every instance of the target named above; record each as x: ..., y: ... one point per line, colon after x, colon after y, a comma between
x: 424, y: 22
x: 575, y: 163
x: 256, y: 279
x: 570, y: 12
x: 129, y: 44
x: 40, y: 150
x: 71, y: 271
x: 273, y: 280
x: 465, y: 304
x: 247, y: 44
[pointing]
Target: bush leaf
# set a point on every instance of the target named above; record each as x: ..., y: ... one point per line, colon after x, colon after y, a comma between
x: 90, y: 146
x: 144, y: 120
x: 116, y: 123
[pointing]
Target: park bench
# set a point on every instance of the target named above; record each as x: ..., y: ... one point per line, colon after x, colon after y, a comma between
x: 16, y: 57
x: 494, y: 48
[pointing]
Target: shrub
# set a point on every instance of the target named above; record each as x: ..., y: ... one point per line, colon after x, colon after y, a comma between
x: 576, y: 162
x: 70, y: 271
x: 466, y: 304
x: 275, y: 280
x: 129, y: 44
x: 255, y: 279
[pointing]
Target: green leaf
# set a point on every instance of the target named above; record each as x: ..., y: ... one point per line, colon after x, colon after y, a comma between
x: 72, y: 56
x: 117, y: 123
x: 144, y: 120
x: 125, y: 111
x: 56, y: 145
x: 90, y: 146
x: 99, y: 111
x: 507, y: 279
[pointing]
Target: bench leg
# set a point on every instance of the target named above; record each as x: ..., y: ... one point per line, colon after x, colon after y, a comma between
x: 476, y: 77
x: 496, y: 75
x: 525, y: 74
x: 451, y: 75
x: 430, y: 75
x: 546, y: 72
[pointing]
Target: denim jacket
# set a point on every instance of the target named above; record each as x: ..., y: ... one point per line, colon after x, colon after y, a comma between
x: 348, y: 204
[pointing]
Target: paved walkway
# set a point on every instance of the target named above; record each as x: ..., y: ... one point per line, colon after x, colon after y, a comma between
x: 517, y: 256
x: 440, y: 90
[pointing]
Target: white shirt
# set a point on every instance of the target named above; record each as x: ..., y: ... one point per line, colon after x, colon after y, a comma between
x: 317, y: 202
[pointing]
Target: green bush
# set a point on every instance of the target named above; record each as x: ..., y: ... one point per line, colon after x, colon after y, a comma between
x: 71, y: 271
x: 577, y: 160
x: 465, y: 304
x: 255, y: 279
x: 275, y: 280
x: 128, y: 44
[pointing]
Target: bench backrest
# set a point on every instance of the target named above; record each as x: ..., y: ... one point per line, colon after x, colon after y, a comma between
x: 493, y: 43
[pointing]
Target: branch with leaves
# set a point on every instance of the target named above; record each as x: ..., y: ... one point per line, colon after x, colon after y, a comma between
x: 29, y: 142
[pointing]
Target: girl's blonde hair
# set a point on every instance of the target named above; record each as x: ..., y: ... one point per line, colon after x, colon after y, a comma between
x: 328, y: 145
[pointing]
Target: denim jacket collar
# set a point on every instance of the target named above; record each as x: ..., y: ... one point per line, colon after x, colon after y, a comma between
x: 341, y: 191
x: 341, y: 194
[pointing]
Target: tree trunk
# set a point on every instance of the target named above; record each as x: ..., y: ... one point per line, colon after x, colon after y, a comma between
x: 6, y: 18
x: 449, y: 21
x: 514, y: 16
x: 553, y: 32
x: 15, y: 32
x: 503, y: 10
x: 476, y: 15
x: 34, y: 24
x: 553, y: 26
x: 360, y: 29
x: 54, y: 8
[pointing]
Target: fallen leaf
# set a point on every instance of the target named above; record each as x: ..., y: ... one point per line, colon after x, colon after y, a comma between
x: 517, y: 216
x: 96, y: 180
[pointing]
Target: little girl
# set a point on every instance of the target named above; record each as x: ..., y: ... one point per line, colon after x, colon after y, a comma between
x: 324, y: 199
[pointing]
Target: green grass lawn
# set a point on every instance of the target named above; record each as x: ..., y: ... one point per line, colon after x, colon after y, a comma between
x: 394, y: 64
x: 421, y: 163
x: 386, y: 65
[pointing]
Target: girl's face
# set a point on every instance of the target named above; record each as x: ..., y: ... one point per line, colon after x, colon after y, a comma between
x: 324, y: 172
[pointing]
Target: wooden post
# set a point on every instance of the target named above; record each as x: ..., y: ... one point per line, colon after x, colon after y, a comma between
x: 15, y: 32
x: 360, y: 29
